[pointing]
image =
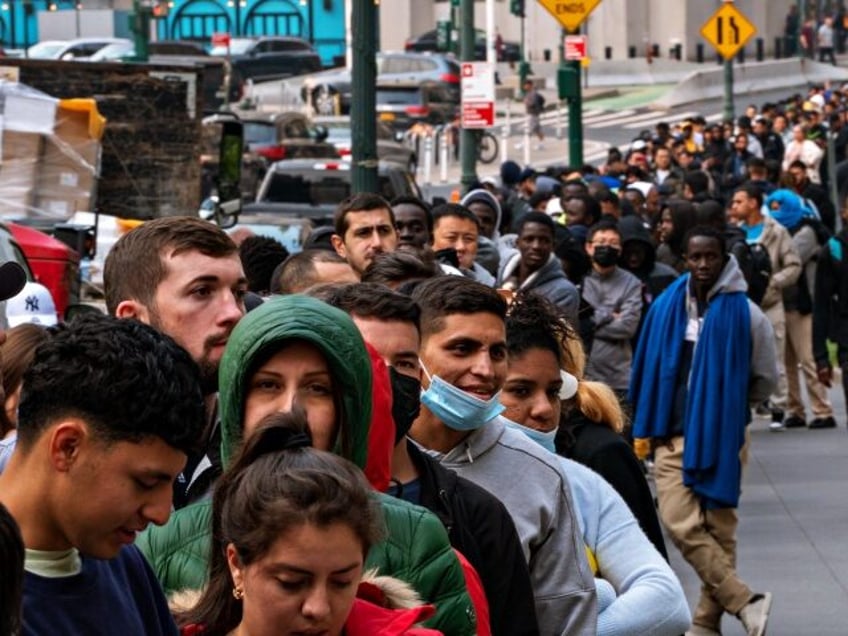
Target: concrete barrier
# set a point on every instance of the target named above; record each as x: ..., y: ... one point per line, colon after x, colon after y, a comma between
x: 749, y: 78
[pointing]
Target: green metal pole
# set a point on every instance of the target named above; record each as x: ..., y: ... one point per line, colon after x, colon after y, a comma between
x: 575, y: 111
x: 467, y: 139
x: 363, y: 107
x: 523, y: 65
x: 729, y: 113
x: 140, y: 26
x: 801, y: 18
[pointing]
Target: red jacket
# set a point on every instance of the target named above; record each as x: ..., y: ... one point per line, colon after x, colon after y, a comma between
x: 381, y: 435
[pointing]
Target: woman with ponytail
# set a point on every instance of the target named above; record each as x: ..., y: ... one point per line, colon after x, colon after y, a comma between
x: 590, y: 433
x: 637, y: 591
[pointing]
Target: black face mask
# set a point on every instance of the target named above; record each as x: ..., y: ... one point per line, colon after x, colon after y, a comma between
x: 606, y: 255
x: 406, y: 402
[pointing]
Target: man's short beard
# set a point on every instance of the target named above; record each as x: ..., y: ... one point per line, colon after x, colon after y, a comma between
x: 208, y: 376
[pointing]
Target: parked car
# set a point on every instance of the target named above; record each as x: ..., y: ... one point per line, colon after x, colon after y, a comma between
x: 269, y: 58
x: 79, y: 49
x: 401, y: 106
x: 511, y: 51
x: 311, y: 189
x: 329, y: 93
x: 287, y: 136
x: 125, y: 50
x: 388, y: 147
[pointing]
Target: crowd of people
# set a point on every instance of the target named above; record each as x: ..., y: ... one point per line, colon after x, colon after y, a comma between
x: 433, y: 419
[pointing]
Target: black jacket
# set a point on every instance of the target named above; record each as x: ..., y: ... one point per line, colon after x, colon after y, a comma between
x: 480, y: 527
x: 830, y: 302
x: 608, y: 454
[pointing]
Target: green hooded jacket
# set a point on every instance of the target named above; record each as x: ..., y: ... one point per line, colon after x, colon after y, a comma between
x: 416, y: 549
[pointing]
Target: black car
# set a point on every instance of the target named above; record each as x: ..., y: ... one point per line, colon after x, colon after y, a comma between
x: 511, y: 51
x: 329, y: 93
x: 400, y: 106
x: 269, y: 58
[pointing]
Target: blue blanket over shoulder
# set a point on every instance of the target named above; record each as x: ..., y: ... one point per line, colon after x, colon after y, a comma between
x: 717, y: 399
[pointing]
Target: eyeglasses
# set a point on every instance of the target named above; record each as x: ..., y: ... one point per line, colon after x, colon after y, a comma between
x: 606, y: 243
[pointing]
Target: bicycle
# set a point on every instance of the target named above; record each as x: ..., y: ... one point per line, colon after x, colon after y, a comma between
x: 487, y: 146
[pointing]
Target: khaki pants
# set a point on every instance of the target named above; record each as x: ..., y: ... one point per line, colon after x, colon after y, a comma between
x: 777, y: 318
x: 799, y: 353
x: 705, y: 538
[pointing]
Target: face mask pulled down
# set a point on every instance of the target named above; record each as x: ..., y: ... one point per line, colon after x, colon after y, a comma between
x: 457, y: 409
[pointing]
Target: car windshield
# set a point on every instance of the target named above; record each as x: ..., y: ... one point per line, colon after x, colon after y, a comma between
x: 46, y: 50
x: 317, y: 187
x: 114, y: 51
x: 238, y: 46
x: 259, y: 133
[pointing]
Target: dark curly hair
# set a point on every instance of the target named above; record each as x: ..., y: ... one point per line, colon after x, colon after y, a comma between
x: 260, y: 256
x: 126, y: 380
x: 533, y: 322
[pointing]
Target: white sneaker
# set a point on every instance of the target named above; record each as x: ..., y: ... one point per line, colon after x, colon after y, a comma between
x: 519, y: 145
x: 754, y: 615
x: 539, y: 146
x: 776, y: 427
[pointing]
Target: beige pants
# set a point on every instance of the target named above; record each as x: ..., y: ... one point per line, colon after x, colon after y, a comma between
x: 777, y: 318
x: 799, y: 353
x: 705, y: 538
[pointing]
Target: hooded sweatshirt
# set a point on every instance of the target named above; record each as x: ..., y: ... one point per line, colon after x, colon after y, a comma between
x: 655, y: 276
x: 533, y: 486
x: 548, y: 281
x: 416, y: 548
x: 491, y: 253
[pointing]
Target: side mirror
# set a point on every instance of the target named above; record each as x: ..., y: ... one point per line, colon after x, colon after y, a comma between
x: 228, y: 205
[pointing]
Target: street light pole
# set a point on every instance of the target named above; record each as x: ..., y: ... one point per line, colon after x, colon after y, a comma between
x: 729, y: 111
x: 363, y: 107
x: 467, y: 139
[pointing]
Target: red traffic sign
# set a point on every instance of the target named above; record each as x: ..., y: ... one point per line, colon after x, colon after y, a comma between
x: 221, y: 39
x: 478, y: 115
x: 478, y: 95
x: 576, y: 47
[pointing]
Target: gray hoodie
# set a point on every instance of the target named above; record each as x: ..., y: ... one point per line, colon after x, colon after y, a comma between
x: 548, y: 281
x: 533, y: 486
x: 617, y: 300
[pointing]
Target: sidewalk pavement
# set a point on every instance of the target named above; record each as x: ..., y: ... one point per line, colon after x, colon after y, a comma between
x: 793, y: 519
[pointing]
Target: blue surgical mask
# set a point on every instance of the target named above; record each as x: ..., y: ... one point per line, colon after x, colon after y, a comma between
x: 545, y: 440
x: 457, y: 409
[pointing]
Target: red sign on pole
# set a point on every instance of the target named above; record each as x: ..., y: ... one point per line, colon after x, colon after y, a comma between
x: 576, y: 47
x: 478, y: 95
x: 221, y: 39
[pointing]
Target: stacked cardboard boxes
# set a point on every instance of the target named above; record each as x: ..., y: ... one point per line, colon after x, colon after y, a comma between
x: 50, y: 157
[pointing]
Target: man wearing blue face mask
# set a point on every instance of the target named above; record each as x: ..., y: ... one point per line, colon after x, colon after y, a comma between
x: 478, y: 524
x: 463, y: 355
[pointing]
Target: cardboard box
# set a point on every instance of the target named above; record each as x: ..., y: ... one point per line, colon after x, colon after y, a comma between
x: 20, y: 155
x: 69, y: 165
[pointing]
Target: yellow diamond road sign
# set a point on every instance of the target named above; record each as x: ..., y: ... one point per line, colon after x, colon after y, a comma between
x: 727, y: 30
x: 570, y: 13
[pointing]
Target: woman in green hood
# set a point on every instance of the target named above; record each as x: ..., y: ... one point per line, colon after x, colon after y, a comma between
x: 296, y: 349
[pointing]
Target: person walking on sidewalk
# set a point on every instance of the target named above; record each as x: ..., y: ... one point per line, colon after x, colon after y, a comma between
x: 825, y: 37
x: 534, y: 103
x: 705, y: 355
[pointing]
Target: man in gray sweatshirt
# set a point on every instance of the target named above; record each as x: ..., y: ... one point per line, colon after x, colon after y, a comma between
x: 463, y: 356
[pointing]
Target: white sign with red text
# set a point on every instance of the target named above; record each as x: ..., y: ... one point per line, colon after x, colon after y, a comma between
x: 576, y: 47
x: 478, y: 95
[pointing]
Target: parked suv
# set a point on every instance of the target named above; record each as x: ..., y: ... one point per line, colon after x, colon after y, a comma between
x: 329, y: 93
x: 269, y: 58
x: 511, y: 51
x: 79, y: 49
x: 403, y: 105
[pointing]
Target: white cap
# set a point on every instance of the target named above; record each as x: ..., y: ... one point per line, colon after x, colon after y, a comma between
x: 32, y: 304
x: 569, y: 385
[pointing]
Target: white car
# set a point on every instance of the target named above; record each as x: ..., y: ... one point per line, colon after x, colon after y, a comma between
x: 79, y: 49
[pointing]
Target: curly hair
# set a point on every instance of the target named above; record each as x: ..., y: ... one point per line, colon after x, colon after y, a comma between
x: 126, y: 380
x: 534, y: 322
x: 260, y: 256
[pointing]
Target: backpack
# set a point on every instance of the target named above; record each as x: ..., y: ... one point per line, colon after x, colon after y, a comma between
x: 754, y: 261
x: 540, y: 102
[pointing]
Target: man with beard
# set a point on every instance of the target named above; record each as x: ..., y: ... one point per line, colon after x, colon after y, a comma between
x: 182, y: 276
x: 365, y: 227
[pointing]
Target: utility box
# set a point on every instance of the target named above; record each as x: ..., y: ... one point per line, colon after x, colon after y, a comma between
x: 568, y: 82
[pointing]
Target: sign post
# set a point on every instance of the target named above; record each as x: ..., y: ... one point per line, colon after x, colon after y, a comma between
x: 727, y: 30
x: 478, y: 95
x: 571, y: 14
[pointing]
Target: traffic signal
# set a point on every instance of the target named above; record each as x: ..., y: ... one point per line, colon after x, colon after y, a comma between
x: 160, y: 8
x: 516, y: 7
